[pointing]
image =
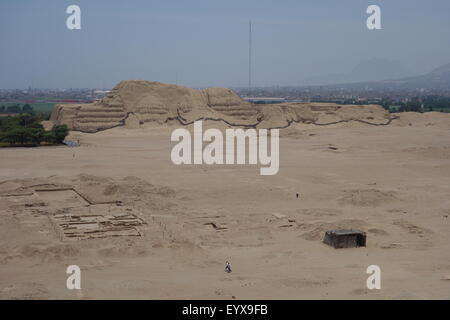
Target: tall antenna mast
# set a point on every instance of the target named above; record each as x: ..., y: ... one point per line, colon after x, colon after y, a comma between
x: 250, y: 59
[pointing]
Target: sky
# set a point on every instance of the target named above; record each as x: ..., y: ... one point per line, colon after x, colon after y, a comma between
x: 204, y: 43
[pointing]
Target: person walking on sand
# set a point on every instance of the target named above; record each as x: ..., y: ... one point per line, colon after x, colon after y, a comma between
x: 227, y: 267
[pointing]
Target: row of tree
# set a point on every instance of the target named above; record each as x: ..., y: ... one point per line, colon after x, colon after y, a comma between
x: 420, y: 104
x: 16, y: 108
x: 25, y: 129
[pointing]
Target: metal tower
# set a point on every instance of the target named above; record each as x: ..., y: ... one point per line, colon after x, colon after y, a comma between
x: 250, y: 59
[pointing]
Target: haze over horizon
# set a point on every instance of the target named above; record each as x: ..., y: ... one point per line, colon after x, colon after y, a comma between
x: 204, y: 43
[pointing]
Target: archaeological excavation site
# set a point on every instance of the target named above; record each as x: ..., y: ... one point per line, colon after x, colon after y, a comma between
x: 223, y: 160
x: 357, y: 186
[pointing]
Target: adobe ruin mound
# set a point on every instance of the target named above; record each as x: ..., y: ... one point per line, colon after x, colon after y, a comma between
x: 134, y: 103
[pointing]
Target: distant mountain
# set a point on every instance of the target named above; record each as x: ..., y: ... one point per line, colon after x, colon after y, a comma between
x: 379, y: 69
x: 439, y: 78
x: 376, y: 69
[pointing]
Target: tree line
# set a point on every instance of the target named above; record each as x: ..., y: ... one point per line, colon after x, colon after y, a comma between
x: 26, y: 129
x: 420, y: 104
x: 16, y: 108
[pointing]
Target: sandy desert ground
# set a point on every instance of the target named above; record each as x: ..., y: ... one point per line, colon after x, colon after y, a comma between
x: 392, y: 182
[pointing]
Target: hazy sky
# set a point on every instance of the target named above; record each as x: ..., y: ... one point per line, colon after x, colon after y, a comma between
x: 205, y: 42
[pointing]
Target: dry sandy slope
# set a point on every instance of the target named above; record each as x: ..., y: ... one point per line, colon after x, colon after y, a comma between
x: 392, y: 182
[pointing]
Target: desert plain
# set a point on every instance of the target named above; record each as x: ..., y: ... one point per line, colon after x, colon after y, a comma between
x: 392, y: 182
